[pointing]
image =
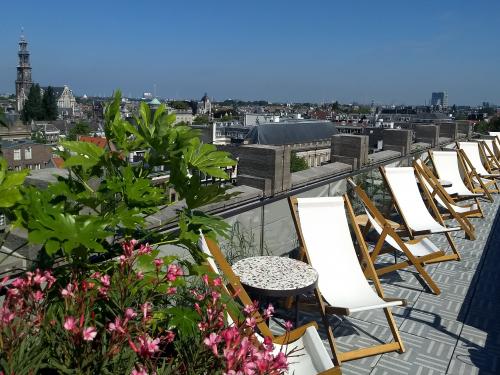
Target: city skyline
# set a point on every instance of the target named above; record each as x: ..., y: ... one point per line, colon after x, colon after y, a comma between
x: 281, y: 52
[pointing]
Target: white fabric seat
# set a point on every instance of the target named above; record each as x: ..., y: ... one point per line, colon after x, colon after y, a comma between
x: 404, y: 188
x: 331, y: 252
x: 310, y: 357
x: 419, y: 249
x: 440, y: 202
x: 447, y: 168
x: 471, y: 150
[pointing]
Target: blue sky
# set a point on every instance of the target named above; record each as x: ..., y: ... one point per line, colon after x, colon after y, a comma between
x: 388, y: 51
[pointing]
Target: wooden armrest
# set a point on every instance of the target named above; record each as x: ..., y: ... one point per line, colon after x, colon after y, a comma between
x: 294, y: 335
x: 331, y: 371
x: 390, y: 299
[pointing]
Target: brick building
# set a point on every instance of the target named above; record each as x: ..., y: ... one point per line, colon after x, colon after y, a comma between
x: 26, y: 154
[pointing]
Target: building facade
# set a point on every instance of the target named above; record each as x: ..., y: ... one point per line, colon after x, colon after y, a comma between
x: 204, y: 107
x: 440, y: 99
x: 26, y: 154
x: 23, y: 80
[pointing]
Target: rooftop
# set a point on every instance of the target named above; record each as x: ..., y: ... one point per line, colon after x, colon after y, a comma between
x: 455, y: 332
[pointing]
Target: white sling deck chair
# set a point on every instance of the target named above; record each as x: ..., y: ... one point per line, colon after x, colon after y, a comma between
x: 492, y: 153
x: 417, y: 251
x: 310, y: 358
x: 476, y: 176
x: 411, y: 206
x: 325, y: 242
x: 496, y: 134
x: 449, y: 166
x: 446, y: 202
x: 475, y: 155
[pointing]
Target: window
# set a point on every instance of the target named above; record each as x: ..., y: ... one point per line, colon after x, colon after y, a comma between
x: 17, y: 154
x: 27, y: 153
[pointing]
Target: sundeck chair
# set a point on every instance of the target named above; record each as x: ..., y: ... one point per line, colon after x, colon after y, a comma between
x: 492, y: 153
x: 449, y: 166
x: 477, y: 159
x: 410, y: 205
x: 310, y: 358
x: 495, y: 134
x: 417, y: 251
x: 325, y: 243
x: 446, y: 202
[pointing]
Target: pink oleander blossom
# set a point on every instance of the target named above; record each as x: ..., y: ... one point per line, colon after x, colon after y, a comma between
x: 211, y: 341
x: 148, y: 346
x: 117, y: 326
x: 130, y: 313
x: 69, y: 291
x: 173, y: 272
x: 69, y: 323
x: 145, y: 249
x: 158, y: 262
x: 89, y: 333
x: 141, y: 371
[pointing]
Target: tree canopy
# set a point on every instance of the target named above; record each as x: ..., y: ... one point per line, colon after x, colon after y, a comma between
x: 40, y: 108
x: 80, y: 128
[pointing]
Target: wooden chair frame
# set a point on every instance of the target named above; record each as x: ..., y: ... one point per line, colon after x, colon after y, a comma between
x: 471, y: 176
x: 339, y: 357
x: 388, y: 230
x: 492, y: 162
x: 463, y: 169
x: 413, y: 234
x: 438, y: 190
x: 233, y: 287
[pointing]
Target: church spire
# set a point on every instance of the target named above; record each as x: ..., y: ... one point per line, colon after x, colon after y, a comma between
x: 23, y: 81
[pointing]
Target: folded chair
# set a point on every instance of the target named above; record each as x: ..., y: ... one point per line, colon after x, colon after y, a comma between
x: 417, y: 251
x: 492, y: 153
x: 475, y: 157
x: 325, y: 243
x: 410, y: 205
x: 311, y: 355
x: 449, y: 166
x: 446, y: 202
x: 477, y: 177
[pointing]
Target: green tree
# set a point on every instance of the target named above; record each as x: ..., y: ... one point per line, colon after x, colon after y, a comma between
x: 201, y: 120
x: 33, y: 106
x: 80, y: 128
x: 297, y: 163
x: 3, y: 121
x: 49, y: 103
x: 179, y: 104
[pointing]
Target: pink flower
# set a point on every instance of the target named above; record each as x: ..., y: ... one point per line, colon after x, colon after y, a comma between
x: 38, y: 296
x: 89, y: 333
x: 140, y: 275
x: 268, y: 312
x: 68, y: 291
x: 146, y: 310
x: 69, y: 323
x: 250, y: 309
x: 6, y: 316
x: 205, y: 279
x: 148, y: 346
x: 288, y: 325
x: 103, y: 291
x: 250, y: 322
x: 128, y: 247
x: 116, y: 326
x: 211, y: 341
x: 172, y: 290
x: 169, y: 337
x: 106, y: 281
x: 50, y: 278
x: 145, y: 249
x: 130, y: 313
x: 4, y: 281
x: 18, y: 283
x: 158, y: 262
x: 141, y: 371
x: 217, y: 281
x: 95, y: 275
x: 173, y: 272
x: 39, y: 278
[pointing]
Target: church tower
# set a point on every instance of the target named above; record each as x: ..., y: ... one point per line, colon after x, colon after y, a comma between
x: 23, y: 81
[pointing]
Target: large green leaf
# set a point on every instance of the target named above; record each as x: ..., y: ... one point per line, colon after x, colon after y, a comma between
x: 10, y: 183
x: 84, y: 154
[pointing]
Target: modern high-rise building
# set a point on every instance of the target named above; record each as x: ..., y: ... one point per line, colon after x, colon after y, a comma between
x: 23, y: 81
x: 440, y: 99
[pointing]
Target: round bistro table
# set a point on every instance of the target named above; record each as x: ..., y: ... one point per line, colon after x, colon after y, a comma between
x: 274, y: 276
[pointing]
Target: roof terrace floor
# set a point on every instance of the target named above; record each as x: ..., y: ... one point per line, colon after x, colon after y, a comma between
x: 457, y: 332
